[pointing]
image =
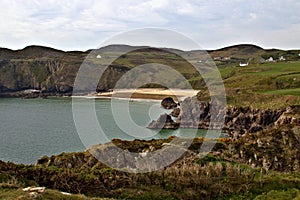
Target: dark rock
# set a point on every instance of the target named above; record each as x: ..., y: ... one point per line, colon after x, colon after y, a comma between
x: 164, y: 122
x: 238, y: 121
x: 168, y: 103
x: 65, y: 88
x: 193, y: 112
x: 43, y: 160
x: 255, y: 128
x: 175, y: 112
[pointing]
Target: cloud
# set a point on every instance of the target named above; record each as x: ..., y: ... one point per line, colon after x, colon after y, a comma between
x: 85, y: 24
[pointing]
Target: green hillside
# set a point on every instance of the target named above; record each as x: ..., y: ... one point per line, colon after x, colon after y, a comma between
x: 259, y: 84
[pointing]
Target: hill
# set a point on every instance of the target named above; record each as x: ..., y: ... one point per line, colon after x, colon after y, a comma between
x: 239, y: 51
x: 53, y: 71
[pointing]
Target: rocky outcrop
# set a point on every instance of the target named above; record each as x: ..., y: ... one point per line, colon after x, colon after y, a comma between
x: 163, y: 122
x: 238, y: 121
x: 168, y: 103
x: 231, y: 163
x: 275, y: 149
x: 120, y: 154
x: 246, y: 120
x: 175, y: 112
x: 194, y: 113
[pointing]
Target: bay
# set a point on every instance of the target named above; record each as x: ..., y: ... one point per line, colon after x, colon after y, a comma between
x: 31, y: 128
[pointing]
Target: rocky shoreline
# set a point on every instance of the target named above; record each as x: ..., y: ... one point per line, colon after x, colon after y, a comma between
x: 261, y: 143
x: 32, y: 95
x: 275, y: 149
x: 193, y: 113
x: 233, y: 167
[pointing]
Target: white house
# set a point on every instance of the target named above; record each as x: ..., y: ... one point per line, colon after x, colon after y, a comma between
x: 271, y: 59
x: 281, y: 58
x: 244, y: 64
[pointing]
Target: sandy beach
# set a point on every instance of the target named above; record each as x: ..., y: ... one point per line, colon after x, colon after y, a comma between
x: 147, y: 93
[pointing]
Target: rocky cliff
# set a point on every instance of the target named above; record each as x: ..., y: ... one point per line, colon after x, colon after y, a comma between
x: 48, y: 70
x: 238, y: 121
x: 40, y: 68
x: 53, y: 71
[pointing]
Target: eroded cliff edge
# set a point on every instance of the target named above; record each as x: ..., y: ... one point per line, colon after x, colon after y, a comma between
x: 237, y: 120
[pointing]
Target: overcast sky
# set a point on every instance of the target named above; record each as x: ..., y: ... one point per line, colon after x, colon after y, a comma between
x: 82, y: 25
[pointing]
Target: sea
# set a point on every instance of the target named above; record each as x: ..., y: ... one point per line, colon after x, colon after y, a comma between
x: 32, y: 128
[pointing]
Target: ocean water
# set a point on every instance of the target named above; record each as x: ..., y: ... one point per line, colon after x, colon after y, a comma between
x: 31, y: 128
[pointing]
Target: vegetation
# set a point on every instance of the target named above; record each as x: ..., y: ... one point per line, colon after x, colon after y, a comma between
x: 214, y: 180
x: 225, y: 173
x: 12, y: 194
x: 55, y: 71
x: 261, y: 165
x: 269, y: 85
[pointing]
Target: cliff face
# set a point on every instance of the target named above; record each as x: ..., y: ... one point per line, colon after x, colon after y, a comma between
x: 53, y: 71
x: 238, y: 121
x: 39, y: 68
x: 38, y: 74
x: 48, y: 70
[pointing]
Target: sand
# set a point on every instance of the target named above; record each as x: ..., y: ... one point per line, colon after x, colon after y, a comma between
x: 147, y: 93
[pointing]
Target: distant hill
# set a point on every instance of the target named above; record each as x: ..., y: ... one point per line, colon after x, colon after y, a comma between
x: 239, y: 51
x: 53, y: 71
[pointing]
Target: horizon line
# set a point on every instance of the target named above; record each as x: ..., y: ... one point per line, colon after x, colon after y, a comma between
x: 206, y: 49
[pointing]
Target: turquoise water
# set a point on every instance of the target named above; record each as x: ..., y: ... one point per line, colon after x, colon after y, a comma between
x: 31, y: 128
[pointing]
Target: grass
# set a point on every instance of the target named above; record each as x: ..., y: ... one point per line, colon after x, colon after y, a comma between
x: 273, y: 69
x: 295, y: 92
x: 261, y: 101
x: 243, y: 84
x: 140, y: 57
x: 213, y: 179
x: 280, y: 195
x: 269, y: 85
x: 224, y: 176
x: 262, y: 77
x: 13, y: 194
x: 255, y: 74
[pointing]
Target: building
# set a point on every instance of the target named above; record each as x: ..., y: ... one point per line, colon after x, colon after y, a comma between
x: 271, y: 59
x: 244, y: 64
x: 281, y: 58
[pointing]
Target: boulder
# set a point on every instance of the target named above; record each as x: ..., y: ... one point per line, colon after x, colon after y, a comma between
x: 168, y: 103
x: 175, y: 112
x: 164, y: 122
x: 64, y: 88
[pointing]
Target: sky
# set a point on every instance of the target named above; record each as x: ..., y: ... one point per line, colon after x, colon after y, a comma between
x: 213, y: 24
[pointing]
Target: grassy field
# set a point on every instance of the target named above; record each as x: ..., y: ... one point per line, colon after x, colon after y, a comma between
x: 212, y: 179
x: 13, y: 194
x: 268, y: 85
x: 263, y: 77
x: 295, y: 92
